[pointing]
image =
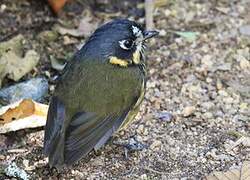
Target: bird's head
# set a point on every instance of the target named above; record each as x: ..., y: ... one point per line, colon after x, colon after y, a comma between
x: 120, y: 42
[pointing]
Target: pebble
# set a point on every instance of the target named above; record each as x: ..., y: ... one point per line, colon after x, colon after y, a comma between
x: 14, y: 171
x: 164, y: 116
x: 155, y: 145
x: 223, y: 93
x: 189, y: 110
x: 244, y: 63
x: 208, y: 115
x: 207, y: 105
x: 144, y: 176
x: 140, y: 129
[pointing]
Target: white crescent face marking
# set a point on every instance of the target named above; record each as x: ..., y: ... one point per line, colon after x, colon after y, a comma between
x: 122, y: 44
x: 136, y: 31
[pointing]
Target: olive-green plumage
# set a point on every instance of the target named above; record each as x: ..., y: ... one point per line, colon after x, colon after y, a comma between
x: 95, y: 96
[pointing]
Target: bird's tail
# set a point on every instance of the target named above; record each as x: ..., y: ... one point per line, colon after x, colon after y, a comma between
x: 54, y: 133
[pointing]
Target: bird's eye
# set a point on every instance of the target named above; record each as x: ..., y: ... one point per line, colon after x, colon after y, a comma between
x: 126, y: 44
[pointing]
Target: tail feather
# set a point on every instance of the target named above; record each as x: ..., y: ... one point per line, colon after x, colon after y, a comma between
x: 54, y: 133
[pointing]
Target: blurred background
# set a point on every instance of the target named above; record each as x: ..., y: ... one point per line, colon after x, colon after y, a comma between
x: 195, y: 118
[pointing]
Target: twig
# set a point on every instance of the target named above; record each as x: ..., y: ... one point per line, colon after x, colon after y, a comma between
x: 154, y: 171
x: 149, y: 9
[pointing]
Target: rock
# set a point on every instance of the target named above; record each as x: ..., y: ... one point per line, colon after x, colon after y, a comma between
x: 155, y: 145
x: 207, y: 62
x: 140, y: 129
x: 32, y: 89
x: 13, y: 170
x: 207, y: 105
x: 189, y: 110
x: 208, y: 115
x: 245, y: 30
x: 164, y: 116
x: 244, y: 63
x: 162, y: 32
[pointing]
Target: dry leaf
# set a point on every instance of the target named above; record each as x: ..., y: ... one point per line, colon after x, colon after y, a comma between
x: 16, y: 66
x: 23, y: 114
x: 57, y: 5
x: 235, y: 174
x: 85, y: 28
x: 245, y: 141
x: 12, y: 63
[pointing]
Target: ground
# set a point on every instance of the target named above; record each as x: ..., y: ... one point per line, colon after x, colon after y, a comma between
x: 198, y: 93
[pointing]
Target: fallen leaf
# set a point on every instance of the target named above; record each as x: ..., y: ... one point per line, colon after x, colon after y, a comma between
x: 16, y: 66
x: 14, y: 44
x: 23, y: 114
x: 85, y: 28
x: 190, y: 36
x: 243, y: 173
x: 245, y: 141
x: 57, y: 5
x: 12, y: 64
x: 223, y: 9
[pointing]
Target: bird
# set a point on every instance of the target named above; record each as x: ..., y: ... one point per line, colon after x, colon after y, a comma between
x: 98, y: 93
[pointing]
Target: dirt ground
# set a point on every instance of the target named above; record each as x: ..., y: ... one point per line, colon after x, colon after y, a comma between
x: 197, y: 104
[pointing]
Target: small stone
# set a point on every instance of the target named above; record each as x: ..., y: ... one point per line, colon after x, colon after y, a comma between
x: 219, y: 84
x: 144, y: 176
x: 223, y: 93
x: 162, y: 32
x: 167, y: 12
x: 140, y: 129
x: 244, y: 63
x: 245, y: 30
x: 189, y: 110
x: 156, y: 144
x: 3, y: 7
x: 208, y: 115
x: 207, y: 62
x: 47, y: 73
x: 67, y: 40
x: 228, y: 100
x: 164, y: 116
x: 207, y: 105
x: 26, y: 163
x: 2, y: 157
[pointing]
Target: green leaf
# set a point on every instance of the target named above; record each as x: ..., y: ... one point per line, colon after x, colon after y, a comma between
x: 190, y: 36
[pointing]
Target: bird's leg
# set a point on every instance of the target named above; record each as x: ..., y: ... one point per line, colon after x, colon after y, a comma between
x: 131, y: 145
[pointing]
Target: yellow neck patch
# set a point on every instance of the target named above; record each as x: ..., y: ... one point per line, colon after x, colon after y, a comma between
x: 124, y: 63
x: 117, y: 61
x: 136, y: 57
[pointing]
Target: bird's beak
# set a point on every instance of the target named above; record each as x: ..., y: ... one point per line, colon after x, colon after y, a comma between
x: 149, y: 34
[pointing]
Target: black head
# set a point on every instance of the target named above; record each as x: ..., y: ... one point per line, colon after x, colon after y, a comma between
x: 121, y: 39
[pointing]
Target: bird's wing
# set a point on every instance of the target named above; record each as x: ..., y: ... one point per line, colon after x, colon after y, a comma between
x: 88, y: 130
x: 53, y: 136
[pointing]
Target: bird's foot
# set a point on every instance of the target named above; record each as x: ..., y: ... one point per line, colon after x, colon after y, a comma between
x: 131, y: 145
